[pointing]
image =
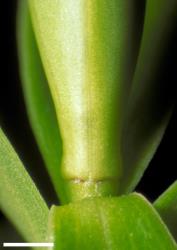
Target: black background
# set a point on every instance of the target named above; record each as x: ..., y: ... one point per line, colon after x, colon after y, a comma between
x: 161, y: 171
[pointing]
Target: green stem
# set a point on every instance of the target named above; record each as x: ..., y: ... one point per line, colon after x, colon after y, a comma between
x: 89, y: 57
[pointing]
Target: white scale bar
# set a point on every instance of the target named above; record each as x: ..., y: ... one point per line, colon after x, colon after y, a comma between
x: 7, y: 244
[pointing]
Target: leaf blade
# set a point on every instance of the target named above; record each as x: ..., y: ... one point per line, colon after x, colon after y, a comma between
x: 150, y: 102
x: 41, y: 111
x: 166, y: 205
x: 127, y: 222
x: 20, y: 200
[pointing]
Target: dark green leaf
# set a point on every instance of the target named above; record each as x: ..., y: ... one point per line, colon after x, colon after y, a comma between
x: 152, y: 95
x: 166, y: 205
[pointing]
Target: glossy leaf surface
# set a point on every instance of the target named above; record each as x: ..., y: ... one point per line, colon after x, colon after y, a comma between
x: 124, y: 223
